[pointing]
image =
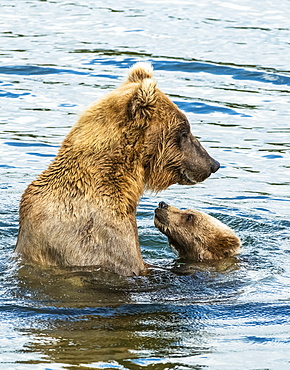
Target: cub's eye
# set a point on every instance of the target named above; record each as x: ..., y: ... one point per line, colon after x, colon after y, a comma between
x: 183, y: 134
x: 189, y: 218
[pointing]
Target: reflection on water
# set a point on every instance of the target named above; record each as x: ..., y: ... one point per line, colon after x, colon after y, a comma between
x: 226, y: 65
x: 163, y: 313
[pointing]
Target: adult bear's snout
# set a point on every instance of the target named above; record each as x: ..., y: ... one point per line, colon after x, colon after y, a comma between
x: 215, y: 165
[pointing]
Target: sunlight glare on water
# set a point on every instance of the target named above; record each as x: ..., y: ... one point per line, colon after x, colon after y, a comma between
x: 226, y: 65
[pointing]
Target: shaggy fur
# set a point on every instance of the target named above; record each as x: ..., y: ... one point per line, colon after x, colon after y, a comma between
x: 195, y: 235
x: 81, y: 210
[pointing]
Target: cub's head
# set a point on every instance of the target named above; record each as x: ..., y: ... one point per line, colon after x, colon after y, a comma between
x: 171, y: 153
x: 195, y: 235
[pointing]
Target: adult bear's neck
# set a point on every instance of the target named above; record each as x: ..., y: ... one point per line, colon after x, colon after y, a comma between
x: 104, y: 179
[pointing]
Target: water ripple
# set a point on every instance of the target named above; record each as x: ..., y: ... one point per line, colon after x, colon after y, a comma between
x: 23, y: 144
x: 29, y: 70
x: 216, y: 69
x: 235, y: 72
x: 7, y: 94
x: 202, y: 108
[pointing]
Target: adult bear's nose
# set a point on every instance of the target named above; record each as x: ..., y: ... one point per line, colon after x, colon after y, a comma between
x: 215, y: 165
x: 163, y: 205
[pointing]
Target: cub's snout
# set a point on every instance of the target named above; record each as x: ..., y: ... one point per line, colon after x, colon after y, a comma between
x: 161, y: 218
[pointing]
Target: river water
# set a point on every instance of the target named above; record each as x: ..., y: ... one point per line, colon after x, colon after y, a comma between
x: 226, y: 65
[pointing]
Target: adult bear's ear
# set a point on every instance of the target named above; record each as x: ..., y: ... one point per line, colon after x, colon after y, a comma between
x: 139, y: 72
x: 143, y: 102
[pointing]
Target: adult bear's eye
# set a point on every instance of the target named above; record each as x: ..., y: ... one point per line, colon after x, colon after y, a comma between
x: 183, y: 136
x: 189, y: 218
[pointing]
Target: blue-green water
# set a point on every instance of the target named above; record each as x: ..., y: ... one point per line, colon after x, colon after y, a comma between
x: 226, y: 64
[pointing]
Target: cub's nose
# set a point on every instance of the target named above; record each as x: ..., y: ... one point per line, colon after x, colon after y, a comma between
x: 163, y: 205
x: 215, y: 165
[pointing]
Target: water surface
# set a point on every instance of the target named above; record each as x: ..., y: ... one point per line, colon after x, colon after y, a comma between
x: 226, y: 65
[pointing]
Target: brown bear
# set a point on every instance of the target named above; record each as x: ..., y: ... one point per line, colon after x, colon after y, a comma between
x: 81, y: 210
x: 195, y: 235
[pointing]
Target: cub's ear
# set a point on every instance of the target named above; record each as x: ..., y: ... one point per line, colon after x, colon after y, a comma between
x: 139, y: 72
x: 143, y: 102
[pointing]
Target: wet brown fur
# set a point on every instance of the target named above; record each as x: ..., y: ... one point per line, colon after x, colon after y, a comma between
x: 81, y: 210
x: 196, y: 236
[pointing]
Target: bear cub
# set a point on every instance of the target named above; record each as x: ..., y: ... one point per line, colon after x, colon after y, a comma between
x: 195, y: 235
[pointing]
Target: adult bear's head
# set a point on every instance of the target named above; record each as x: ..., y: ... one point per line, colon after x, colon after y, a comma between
x: 171, y: 153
